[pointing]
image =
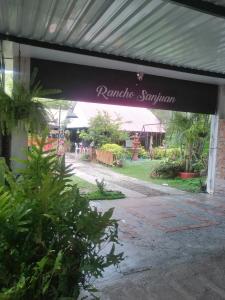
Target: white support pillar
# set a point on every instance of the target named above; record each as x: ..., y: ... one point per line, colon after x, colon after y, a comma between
x: 19, y: 141
x: 212, y: 154
x: 19, y: 67
x: 216, y: 166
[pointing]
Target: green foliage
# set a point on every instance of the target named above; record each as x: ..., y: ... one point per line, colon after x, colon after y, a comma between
x: 89, y: 191
x: 83, y: 185
x: 167, y: 169
x: 141, y: 169
x: 108, y: 195
x: 202, y: 163
x: 159, y: 153
x: 170, y: 153
x: 101, y: 185
x: 50, y: 237
x: 173, y: 153
x: 193, y: 185
x: 142, y: 153
x: 191, y: 133
x: 22, y: 108
x: 115, y: 149
x: 2, y: 170
x: 129, y: 154
x: 104, y: 130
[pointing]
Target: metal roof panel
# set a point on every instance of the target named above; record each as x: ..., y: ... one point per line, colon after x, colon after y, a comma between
x: 152, y: 30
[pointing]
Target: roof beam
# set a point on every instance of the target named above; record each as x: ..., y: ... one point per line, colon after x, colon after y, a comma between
x: 204, y: 7
x: 58, y: 47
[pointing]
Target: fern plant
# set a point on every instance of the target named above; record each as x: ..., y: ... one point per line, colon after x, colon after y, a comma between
x: 51, y: 239
x: 22, y: 110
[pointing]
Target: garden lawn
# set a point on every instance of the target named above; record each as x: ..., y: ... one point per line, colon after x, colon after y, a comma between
x: 83, y: 185
x: 141, y: 169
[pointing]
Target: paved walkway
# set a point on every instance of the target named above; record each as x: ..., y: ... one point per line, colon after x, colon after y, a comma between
x: 132, y: 187
x: 175, y: 247
x: 174, y: 241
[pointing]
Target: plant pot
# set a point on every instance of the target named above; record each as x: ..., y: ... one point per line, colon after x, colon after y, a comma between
x: 186, y: 175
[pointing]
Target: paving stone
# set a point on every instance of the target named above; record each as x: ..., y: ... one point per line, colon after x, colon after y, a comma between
x: 174, y: 242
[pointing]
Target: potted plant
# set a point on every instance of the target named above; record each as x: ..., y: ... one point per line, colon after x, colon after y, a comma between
x: 190, y: 131
x: 22, y: 110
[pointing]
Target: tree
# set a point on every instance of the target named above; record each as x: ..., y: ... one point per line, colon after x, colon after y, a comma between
x: 104, y: 130
x: 21, y: 110
x: 190, y: 131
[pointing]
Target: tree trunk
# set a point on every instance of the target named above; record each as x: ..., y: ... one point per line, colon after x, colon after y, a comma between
x: 189, y: 168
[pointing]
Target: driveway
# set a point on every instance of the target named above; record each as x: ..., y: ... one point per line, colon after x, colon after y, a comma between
x: 174, y: 241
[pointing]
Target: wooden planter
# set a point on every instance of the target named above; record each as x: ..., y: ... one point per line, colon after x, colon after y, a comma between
x: 105, y: 157
x: 186, y: 175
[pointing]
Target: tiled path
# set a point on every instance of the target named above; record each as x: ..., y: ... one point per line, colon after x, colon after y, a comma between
x: 175, y: 247
x: 174, y: 242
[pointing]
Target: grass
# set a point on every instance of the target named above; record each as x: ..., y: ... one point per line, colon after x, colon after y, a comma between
x: 107, y: 195
x: 190, y: 185
x: 91, y: 192
x: 83, y: 185
x: 141, y: 169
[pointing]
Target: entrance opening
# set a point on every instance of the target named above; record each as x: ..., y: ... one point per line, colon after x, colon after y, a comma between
x: 134, y: 92
x: 138, y: 55
x: 138, y: 166
x: 157, y: 146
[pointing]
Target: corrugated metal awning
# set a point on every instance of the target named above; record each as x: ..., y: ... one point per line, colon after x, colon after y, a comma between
x: 145, y: 30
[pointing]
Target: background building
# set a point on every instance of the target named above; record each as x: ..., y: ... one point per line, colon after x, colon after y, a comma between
x: 133, y: 120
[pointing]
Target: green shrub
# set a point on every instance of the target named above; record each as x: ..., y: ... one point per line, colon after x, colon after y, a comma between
x: 101, y: 185
x: 115, y: 149
x: 143, y: 153
x: 128, y: 154
x: 50, y: 237
x: 159, y: 153
x: 167, y: 169
x: 170, y: 153
x: 201, y: 164
x: 173, y: 153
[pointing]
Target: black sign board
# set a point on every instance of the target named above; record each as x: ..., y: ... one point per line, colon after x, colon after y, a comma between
x: 92, y: 84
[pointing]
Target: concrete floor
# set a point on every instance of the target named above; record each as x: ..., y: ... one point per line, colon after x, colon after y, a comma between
x: 174, y: 241
x: 174, y: 247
